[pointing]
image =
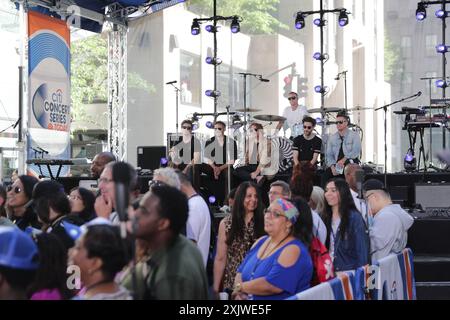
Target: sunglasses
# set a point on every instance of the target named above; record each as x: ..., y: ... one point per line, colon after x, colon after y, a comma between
x: 156, y: 183
x: 292, y: 98
x: 340, y: 122
x: 220, y: 129
x: 307, y: 127
x: 187, y: 128
x: 16, y: 189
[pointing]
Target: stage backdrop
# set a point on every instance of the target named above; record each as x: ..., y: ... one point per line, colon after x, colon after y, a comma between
x: 49, y: 88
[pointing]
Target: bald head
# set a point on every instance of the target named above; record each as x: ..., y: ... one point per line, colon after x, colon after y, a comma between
x: 99, y: 163
x: 350, y: 175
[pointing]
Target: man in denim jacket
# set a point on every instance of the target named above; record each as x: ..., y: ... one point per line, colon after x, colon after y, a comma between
x: 343, y: 147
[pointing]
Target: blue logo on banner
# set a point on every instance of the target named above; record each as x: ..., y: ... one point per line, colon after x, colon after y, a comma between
x: 49, y: 110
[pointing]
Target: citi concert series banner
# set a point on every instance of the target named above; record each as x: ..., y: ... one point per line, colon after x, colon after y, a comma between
x: 49, y: 91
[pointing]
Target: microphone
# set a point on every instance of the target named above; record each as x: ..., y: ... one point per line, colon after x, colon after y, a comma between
x: 121, y: 175
x: 419, y: 93
x: 359, y: 177
x: 337, y: 77
x: 263, y: 80
x: 16, y: 124
x: 171, y: 82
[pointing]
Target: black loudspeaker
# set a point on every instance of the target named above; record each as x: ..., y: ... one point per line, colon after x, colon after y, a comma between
x: 432, y: 195
x: 150, y: 157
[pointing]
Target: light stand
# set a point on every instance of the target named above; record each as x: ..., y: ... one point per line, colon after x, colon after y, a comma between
x: 338, y: 77
x: 385, y: 130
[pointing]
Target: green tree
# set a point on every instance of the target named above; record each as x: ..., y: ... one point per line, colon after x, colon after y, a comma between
x: 89, y: 73
x: 391, y: 58
x: 258, y: 15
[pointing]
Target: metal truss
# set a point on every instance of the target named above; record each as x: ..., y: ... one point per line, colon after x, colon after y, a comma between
x: 117, y: 88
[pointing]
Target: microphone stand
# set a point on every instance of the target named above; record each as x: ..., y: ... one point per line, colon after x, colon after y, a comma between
x: 228, y: 142
x: 385, y: 130
x: 177, y: 90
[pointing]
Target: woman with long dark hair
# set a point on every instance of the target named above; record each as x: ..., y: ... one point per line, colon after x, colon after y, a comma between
x: 50, y: 282
x: 18, y: 202
x: 82, y: 203
x: 237, y: 233
x: 347, y: 240
x: 279, y: 264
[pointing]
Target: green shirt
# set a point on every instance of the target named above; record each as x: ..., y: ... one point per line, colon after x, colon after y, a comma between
x: 172, y: 273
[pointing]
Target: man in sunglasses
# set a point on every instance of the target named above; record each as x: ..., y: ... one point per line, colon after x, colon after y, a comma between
x: 217, y: 163
x: 343, y: 147
x: 294, y: 115
x: 185, y: 154
x: 307, y: 146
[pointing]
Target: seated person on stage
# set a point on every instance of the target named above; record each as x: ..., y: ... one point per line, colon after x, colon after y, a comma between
x: 388, y: 231
x: 99, y: 162
x: 343, y: 147
x: 294, y: 115
x: 216, y: 155
x: 186, y: 152
x: 258, y: 160
x: 307, y: 146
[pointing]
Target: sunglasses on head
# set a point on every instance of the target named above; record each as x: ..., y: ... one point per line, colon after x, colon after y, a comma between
x: 187, y: 128
x: 307, y: 127
x: 292, y: 98
x: 156, y: 183
x: 16, y: 189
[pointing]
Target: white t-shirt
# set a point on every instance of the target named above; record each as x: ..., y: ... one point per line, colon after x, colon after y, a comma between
x: 360, y: 205
x: 198, y: 226
x: 294, y: 117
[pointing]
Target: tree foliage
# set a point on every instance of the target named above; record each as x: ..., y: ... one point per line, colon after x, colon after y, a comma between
x: 391, y: 58
x: 258, y: 15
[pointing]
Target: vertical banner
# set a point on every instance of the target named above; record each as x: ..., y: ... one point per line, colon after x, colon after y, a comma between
x: 49, y: 118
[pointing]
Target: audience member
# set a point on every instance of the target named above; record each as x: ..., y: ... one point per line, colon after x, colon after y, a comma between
x: 278, y: 265
x: 347, y: 240
x: 389, y: 229
x: 82, y: 203
x: 350, y: 172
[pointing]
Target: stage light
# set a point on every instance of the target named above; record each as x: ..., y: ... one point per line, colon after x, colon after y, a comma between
x: 211, y: 28
x: 163, y: 162
x: 212, y: 93
x: 441, y: 83
x: 343, y: 18
x: 441, y: 14
x: 319, y: 56
x: 195, y: 28
x: 319, y: 89
x: 442, y: 48
x: 319, y: 22
x: 235, y: 27
x: 195, y: 126
x: 212, y: 199
x: 421, y: 12
x: 213, y: 61
x: 409, y: 161
x: 299, y: 21
x: 209, y: 124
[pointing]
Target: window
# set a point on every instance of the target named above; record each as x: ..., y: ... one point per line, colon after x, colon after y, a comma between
x: 406, y: 83
x: 431, y: 74
x: 231, y: 86
x: 406, y: 47
x: 190, y: 75
x: 430, y: 43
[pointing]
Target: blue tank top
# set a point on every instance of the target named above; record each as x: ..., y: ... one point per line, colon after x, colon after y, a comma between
x: 291, y: 280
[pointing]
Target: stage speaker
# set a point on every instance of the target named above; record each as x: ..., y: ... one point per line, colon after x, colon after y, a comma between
x: 432, y: 195
x: 150, y: 157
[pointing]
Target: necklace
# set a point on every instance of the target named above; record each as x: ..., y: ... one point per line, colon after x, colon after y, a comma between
x: 268, y: 254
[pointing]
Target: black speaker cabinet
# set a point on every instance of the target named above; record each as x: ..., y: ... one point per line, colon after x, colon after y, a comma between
x: 150, y: 157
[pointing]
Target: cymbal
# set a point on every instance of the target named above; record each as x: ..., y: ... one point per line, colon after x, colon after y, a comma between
x: 249, y: 110
x: 319, y: 110
x: 358, y: 108
x: 269, y: 117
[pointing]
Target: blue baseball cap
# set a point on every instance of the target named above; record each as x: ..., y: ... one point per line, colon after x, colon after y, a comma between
x: 17, y: 249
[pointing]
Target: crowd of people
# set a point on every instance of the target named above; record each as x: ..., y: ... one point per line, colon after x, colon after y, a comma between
x: 163, y: 244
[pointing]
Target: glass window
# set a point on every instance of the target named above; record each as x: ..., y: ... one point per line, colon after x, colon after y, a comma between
x: 190, y: 77
x: 430, y: 44
x: 406, y: 47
